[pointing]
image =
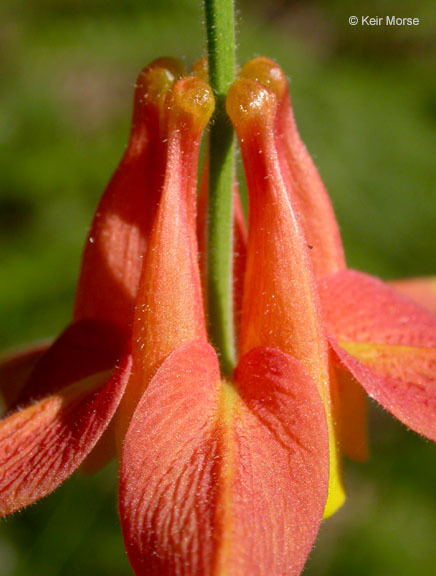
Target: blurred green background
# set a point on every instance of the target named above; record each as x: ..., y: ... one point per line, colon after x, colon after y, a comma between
x: 365, y: 101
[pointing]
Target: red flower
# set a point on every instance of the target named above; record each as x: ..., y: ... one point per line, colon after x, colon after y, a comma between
x: 216, y: 476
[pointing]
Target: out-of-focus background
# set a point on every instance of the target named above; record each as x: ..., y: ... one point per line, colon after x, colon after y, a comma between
x: 365, y: 102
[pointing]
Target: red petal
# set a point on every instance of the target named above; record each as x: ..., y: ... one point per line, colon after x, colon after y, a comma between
x: 280, y: 304
x: 420, y: 290
x: 217, y: 479
x: 281, y: 437
x: 388, y: 343
x: 112, y: 260
x: 280, y: 300
x: 42, y: 445
x: 167, y: 467
x: 169, y: 310
x: 83, y: 349
x: 15, y: 367
x: 303, y: 181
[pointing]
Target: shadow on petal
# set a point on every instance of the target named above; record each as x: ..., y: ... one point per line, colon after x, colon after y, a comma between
x: 43, y: 444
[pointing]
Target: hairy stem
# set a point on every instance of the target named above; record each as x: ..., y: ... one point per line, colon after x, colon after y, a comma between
x: 221, y: 52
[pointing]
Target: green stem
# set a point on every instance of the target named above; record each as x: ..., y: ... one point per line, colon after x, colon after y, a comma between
x: 221, y: 52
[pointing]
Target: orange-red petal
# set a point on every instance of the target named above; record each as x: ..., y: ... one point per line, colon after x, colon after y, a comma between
x: 304, y: 183
x: 43, y: 444
x: 169, y: 309
x: 280, y: 306
x: 84, y: 348
x: 112, y: 259
x: 388, y: 343
x: 318, y: 222
x: 224, y: 479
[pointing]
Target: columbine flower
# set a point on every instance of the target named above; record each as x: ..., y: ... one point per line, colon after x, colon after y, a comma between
x: 217, y: 475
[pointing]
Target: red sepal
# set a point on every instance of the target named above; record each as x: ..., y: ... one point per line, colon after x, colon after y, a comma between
x: 303, y: 182
x: 224, y: 479
x: 43, y: 444
x: 117, y: 240
x: 84, y: 348
x: 169, y: 308
x: 280, y: 307
x: 387, y: 342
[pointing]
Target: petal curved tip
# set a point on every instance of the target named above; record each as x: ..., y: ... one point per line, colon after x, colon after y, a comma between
x: 162, y: 69
x: 117, y: 241
x: 249, y: 103
x: 169, y: 307
x: 200, y: 68
x: 304, y: 185
x: 151, y: 88
x: 268, y: 73
x: 190, y: 103
x: 280, y: 302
